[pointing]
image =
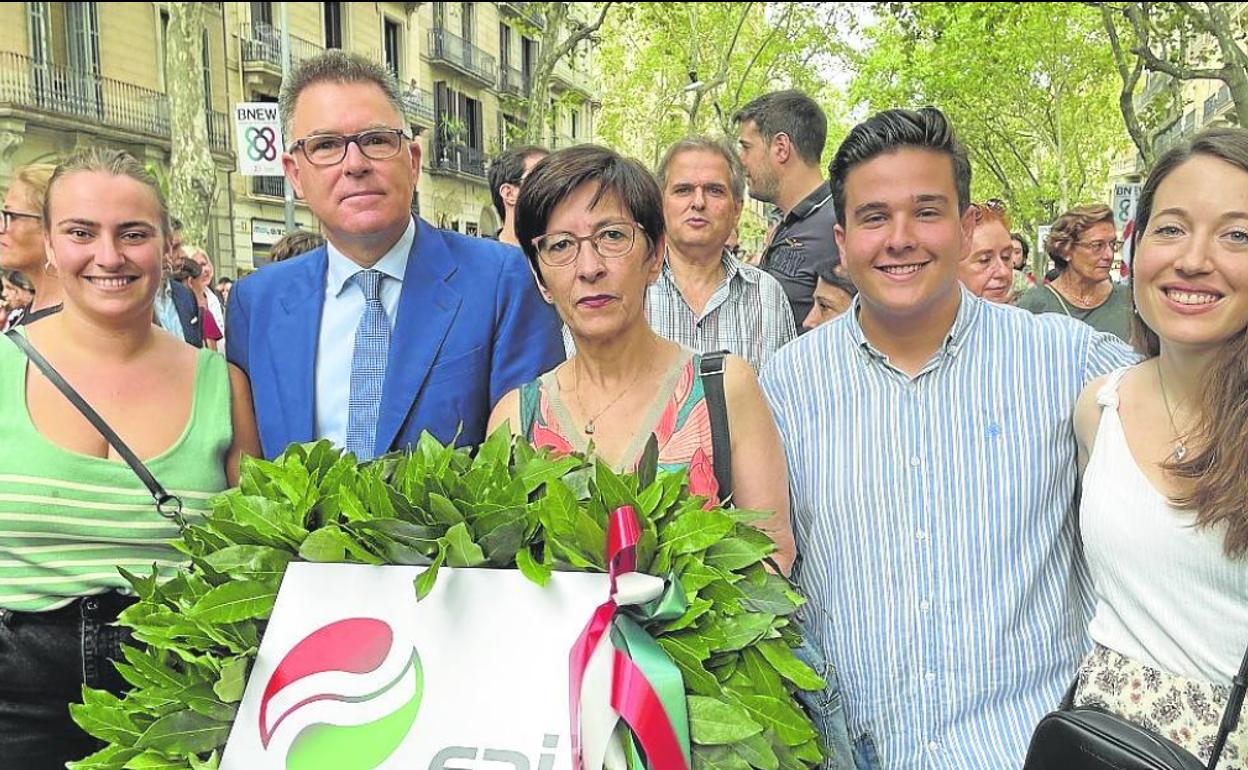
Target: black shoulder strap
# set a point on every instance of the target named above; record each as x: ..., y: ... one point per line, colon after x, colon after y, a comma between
x: 1231, y: 716
x: 712, y: 372
x: 167, y: 505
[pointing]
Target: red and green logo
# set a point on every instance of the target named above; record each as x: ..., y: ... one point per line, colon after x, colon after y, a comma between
x: 353, y: 646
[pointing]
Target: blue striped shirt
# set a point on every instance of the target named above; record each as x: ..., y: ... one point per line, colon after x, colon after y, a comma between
x: 936, y: 522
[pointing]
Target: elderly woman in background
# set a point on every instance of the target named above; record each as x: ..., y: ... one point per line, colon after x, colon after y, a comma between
x: 591, y: 224
x: 987, y: 267
x: 1163, y: 451
x: 187, y: 272
x: 1082, y: 244
x: 21, y: 239
x: 205, y: 293
x: 71, y: 510
x: 834, y: 293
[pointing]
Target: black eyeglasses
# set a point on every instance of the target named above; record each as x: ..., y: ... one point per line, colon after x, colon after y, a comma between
x: 7, y: 217
x: 610, y: 241
x: 331, y: 149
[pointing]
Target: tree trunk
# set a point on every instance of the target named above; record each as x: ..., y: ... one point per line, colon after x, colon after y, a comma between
x: 1130, y: 75
x: 192, y: 175
x: 550, y: 51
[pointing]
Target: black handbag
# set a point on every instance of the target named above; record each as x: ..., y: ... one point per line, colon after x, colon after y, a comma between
x: 1088, y: 738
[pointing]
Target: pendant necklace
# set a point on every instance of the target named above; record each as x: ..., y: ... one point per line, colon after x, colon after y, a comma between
x: 1180, y: 446
x: 589, y: 426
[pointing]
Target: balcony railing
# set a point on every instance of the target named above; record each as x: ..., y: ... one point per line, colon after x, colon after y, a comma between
x: 272, y: 186
x: 1216, y: 102
x: 99, y: 101
x: 261, y: 43
x: 419, y: 105
x: 462, y: 55
x: 458, y: 158
x: 526, y: 11
x: 559, y: 141
x: 512, y: 81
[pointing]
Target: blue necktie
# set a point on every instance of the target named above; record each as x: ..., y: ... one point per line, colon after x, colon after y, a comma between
x: 368, y: 367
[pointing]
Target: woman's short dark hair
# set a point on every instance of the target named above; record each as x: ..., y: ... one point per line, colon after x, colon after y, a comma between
x: 559, y: 174
x: 884, y: 132
x: 1022, y: 242
x: 826, y: 270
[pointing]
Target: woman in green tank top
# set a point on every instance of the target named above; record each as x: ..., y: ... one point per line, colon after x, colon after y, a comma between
x: 71, y: 512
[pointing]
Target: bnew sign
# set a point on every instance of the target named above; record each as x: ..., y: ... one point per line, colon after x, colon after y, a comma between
x: 354, y: 674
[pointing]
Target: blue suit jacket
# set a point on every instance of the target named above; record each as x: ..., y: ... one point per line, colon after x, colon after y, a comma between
x: 471, y: 326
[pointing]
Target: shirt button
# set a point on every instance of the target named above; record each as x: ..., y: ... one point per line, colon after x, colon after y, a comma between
x: 925, y: 605
x: 920, y: 534
x: 915, y: 462
x: 932, y: 746
x: 930, y: 677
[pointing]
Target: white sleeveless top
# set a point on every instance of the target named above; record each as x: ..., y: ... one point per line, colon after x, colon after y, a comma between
x: 1166, y: 593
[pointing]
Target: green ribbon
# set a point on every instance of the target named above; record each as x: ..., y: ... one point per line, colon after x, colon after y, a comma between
x: 630, y: 638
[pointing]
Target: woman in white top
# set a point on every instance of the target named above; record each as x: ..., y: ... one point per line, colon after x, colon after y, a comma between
x: 1164, y: 457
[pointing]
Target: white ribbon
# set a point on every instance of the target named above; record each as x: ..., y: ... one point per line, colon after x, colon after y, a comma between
x: 600, y: 746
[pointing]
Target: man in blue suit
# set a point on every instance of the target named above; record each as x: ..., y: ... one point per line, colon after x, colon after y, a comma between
x: 393, y: 327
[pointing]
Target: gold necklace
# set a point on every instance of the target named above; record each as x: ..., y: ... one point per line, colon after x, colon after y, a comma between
x: 1180, y: 446
x: 589, y: 426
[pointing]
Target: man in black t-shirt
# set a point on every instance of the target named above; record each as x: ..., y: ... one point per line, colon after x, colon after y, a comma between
x: 780, y: 140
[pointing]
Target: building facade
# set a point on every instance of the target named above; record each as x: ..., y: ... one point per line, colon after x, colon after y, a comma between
x: 77, y: 74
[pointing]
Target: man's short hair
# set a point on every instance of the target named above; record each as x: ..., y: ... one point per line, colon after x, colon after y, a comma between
x: 508, y: 168
x: 736, y: 173
x: 793, y: 114
x: 892, y: 130
x: 558, y: 175
x: 335, y: 66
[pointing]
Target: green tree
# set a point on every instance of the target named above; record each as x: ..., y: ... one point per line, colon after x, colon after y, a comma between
x: 1181, y: 41
x: 559, y: 32
x: 192, y: 175
x: 674, y: 69
x: 1029, y: 88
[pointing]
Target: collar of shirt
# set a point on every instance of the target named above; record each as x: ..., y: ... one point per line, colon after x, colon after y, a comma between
x: 820, y: 197
x: 393, y: 264
x: 968, y: 312
x: 732, y: 269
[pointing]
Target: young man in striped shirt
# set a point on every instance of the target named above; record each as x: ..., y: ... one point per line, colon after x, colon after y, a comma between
x: 943, y: 590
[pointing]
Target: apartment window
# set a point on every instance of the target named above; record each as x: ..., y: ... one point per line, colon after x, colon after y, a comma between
x: 504, y: 45
x: 528, y: 57
x: 576, y: 120
x: 262, y: 12
x: 333, y: 25
x: 37, y: 15
x: 439, y: 15
x: 391, y: 37
x: 467, y: 21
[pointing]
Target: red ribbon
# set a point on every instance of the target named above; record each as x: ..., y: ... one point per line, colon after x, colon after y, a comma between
x: 632, y: 696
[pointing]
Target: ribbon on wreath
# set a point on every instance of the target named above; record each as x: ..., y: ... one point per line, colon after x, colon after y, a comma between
x: 619, y: 674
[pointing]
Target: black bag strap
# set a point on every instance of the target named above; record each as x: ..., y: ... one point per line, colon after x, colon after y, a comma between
x: 712, y: 371
x: 167, y: 505
x: 1233, y: 712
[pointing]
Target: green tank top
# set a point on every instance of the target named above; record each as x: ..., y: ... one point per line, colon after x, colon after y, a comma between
x: 68, y: 520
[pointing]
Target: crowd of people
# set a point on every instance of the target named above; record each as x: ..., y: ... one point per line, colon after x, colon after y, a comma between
x: 983, y: 506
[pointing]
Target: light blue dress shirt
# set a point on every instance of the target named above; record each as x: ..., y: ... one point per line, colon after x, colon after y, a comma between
x: 167, y: 316
x: 936, y: 525
x: 344, y: 306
